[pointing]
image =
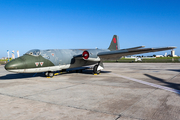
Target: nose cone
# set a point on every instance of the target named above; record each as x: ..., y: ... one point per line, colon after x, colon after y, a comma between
x: 17, y: 63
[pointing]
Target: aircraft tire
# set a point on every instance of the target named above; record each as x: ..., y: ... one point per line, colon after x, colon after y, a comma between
x: 50, y: 74
x: 95, y: 71
x: 46, y: 74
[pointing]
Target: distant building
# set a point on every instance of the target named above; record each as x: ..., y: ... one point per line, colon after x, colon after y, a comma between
x: 138, y: 59
x: 4, y: 58
x: 173, y: 53
x: 130, y: 57
x: 159, y: 56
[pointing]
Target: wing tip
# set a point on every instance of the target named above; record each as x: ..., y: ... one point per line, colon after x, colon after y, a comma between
x: 170, y: 47
x: 173, y: 47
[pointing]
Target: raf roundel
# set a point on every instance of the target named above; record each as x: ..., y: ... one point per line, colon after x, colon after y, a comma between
x: 114, y: 40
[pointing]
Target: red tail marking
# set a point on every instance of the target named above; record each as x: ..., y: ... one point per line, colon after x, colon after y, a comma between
x: 114, y: 40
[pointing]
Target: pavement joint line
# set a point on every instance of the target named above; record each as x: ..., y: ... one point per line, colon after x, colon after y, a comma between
x: 52, y: 90
x: 140, y: 101
x: 128, y: 117
x: 135, y: 118
x: 174, y: 76
x: 118, y: 117
x: 97, y: 84
x: 161, y: 104
x: 103, y: 112
x: 88, y: 109
x: 73, y: 86
x: 26, y: 98
x: 142, y: 98
x: 148, y: 83
x: 91, y: 83
x: 64, y: 87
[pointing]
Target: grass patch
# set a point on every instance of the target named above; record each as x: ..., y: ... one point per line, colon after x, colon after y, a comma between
x: 3, y: 62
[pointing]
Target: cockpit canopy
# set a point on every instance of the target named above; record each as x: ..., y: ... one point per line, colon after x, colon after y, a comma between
x: 34, y: 52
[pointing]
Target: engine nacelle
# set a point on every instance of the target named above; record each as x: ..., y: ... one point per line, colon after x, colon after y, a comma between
x: 85, y: 55
x: 90, y: 56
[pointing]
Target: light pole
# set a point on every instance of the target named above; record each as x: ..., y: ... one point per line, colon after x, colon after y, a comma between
x: 8, y: 54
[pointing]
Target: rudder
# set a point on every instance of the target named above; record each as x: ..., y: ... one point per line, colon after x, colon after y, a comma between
x: 114, y: 43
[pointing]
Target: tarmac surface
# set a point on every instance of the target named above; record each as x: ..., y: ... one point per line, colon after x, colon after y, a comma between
x: 123, y: 91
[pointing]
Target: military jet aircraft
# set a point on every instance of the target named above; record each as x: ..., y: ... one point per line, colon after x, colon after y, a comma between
x: 51, y: 60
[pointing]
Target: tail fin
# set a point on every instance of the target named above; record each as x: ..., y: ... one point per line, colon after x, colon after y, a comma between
x: 114, y: 43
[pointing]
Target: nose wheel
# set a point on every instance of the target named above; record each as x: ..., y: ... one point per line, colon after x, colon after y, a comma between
x: 49, y: 74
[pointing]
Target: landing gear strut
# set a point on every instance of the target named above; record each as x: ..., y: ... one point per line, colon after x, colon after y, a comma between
x: 49, y: 74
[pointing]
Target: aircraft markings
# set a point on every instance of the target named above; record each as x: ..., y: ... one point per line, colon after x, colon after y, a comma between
x: 36, y: 63
x: 41, y: 63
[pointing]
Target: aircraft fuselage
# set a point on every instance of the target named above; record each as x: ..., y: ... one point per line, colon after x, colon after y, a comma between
x: 51, y: 60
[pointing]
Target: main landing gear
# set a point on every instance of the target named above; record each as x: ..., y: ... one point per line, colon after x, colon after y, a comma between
x: 49, y: 74
x: 97, y: 68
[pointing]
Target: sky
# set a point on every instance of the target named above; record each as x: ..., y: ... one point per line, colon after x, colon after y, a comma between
x: 74, y: 24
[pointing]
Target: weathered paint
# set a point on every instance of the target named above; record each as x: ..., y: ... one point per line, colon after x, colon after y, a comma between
x: 28, y: 61
x: 51, y: 60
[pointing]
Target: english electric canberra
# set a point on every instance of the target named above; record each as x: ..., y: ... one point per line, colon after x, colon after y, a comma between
x: 51, y: 60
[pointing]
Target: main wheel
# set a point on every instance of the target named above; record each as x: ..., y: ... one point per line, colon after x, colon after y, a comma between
x: 50, y: 74
x: 46, y: 74
x: 95, y: 69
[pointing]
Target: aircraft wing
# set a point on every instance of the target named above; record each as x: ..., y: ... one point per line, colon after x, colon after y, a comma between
x: 114, y: 55
x: 133, y: 48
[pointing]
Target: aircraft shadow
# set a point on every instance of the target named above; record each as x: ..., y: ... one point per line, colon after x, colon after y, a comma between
x: 91, y: 72
x: 20, y: 76
x: 167, y: 84
x: 30, y: 75
x: 84, y: 72
x: 176, y: 70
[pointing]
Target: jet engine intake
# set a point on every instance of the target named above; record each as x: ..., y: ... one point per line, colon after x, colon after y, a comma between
x: 88, y: 56
x: 85, y: 55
